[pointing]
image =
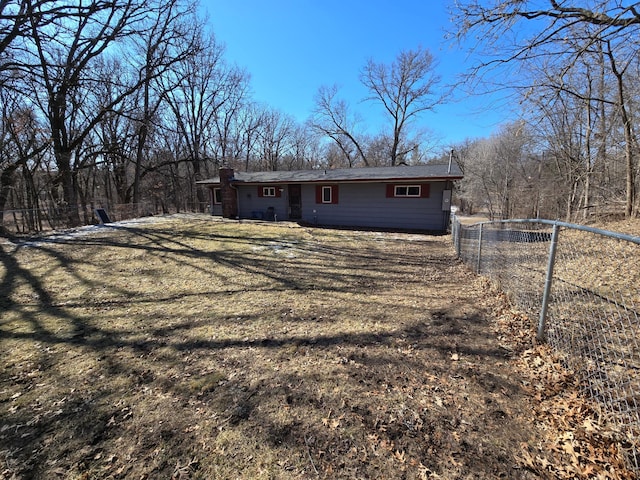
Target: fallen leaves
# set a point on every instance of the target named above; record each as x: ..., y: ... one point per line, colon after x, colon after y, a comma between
x: 400, y: 456
x: 580, y: 441
x: 332, y: 423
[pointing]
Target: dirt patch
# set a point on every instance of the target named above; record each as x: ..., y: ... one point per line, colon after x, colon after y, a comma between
x: 193, y: 348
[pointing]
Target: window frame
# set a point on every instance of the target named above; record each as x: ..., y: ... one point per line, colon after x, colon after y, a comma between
x: 269, y: 192
x: 332, y: 199
x: 217, y: 196
x: 327, y: 188
x: 407, y: 194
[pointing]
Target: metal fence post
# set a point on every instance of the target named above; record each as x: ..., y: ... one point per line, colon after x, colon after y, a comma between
x: 547, y: 284
x: 479, y: 249
x: 456, y: 234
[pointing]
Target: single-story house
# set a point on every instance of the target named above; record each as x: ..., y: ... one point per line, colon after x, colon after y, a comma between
x: 402, y: 197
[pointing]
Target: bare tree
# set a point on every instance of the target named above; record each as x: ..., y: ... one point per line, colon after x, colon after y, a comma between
x: 13, y: 23
x: 575, y: 110
x: 333, y: 118
x: 233, y: 88
x: 205, y: 96
x: 248, y: 126
x: 405, y: 88
x: 170, y: 36
x: 379, y: 149
x: 116, y: 135
x: 499, y: 172
x: 23, y: 145
x: 17, y: 18
x: 564, y: 34
x: 200, y: 88
x: 304, y: 149
x: 619, y: 68
x: 275, y: 138
x: 61, y: 56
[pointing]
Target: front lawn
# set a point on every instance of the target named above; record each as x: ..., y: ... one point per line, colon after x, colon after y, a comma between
x: 188, y: 347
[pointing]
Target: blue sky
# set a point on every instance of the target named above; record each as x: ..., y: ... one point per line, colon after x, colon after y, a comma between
x: 292, y: 47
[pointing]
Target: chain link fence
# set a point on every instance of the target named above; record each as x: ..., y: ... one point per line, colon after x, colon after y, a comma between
x: 582, y: 285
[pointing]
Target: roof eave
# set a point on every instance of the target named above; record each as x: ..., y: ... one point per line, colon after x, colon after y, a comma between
x: 349, y: 180
x: 435, y: 178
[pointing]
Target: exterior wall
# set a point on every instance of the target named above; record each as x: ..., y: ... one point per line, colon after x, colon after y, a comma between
x: 253, y: 206
x: 367, y: 205
x: 359, y: 205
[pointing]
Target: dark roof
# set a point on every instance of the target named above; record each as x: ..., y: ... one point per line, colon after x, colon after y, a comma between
x: 367, y: 174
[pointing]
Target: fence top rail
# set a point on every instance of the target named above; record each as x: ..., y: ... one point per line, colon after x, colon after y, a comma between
x: 574, y: 226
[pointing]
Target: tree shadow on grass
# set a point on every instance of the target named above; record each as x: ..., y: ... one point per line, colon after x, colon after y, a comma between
x: 74, y: 393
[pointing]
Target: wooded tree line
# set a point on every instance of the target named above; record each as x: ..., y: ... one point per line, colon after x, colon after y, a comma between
x: 132, y: 101
x: 574, y: 67
x: 111, y: 102
x: 124, y: 102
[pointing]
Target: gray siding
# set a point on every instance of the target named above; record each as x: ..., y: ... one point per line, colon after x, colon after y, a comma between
x: 360, y: 205
x: 366, y: 205
x: 251, y: 205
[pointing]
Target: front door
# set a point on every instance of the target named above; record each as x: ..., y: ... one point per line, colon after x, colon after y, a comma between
x: 295, y: 202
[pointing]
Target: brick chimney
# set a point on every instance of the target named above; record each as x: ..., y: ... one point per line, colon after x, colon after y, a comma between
x: 228, y: 193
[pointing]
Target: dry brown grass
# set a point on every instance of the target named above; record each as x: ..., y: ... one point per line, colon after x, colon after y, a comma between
x: 194, y: 348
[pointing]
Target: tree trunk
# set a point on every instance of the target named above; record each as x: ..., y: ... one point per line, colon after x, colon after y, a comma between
x: 394, y: 148
x: 142, y: 140
x: 69, y: 194
x: 628, y: 137
x: 6, y: 181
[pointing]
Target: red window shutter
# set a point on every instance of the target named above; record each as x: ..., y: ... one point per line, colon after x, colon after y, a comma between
x: 318, y: 193
x: 390, y: 190
x: 424, y: 191
x: 278, y: 192
x: 260, y: 192
x: 334, y: 194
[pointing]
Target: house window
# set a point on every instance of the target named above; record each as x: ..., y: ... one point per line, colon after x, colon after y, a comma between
x: 268, y: 191
x: 407, y: 191
x: 327, y: 194
x: 217, y: 196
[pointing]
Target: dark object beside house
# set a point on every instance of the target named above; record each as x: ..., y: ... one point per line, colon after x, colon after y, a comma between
x: 271, y: 214
x: 102, y: 215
